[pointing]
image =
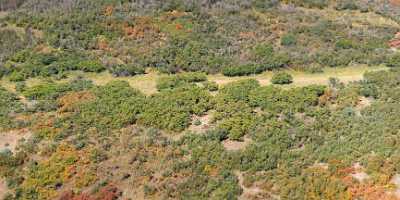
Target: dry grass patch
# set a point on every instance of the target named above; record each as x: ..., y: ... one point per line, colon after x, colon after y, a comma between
x: 10, y: 140
x: 345, y: 74
x: 357, y: 18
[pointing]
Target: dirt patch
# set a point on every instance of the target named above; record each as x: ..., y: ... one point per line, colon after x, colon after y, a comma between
x: 10, y: 139
x: 232, y: 145
x: 362, y: 103
x: 200, y: 124
x: 251, y: 192
x: 360, y: 176
x: 396, y: 181
x: 359, y: 173
x: 3, y: 189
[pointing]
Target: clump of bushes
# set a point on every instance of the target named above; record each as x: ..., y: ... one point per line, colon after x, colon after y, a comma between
x: 178, y: 80
x: 90, y: 66
x: 51, y: 91
x: 115, y: 105
x: 288, y: 40
x: 210, y: 86
x: 281, y: 78
x: 345, y: 44
x: 172, y: 109
x: 346, y: 5
x: 277, y: 100
x: 393, y: 61
x: 9, y: 103
x: 126, y: 70
x: 243, y: 70
x: 232, y: 111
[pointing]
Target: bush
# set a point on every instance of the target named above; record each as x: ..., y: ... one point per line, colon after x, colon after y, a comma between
x: 115, y: 105
x: 282, y: 78
x: 51, y: 91
x: 172, y: 109
x: 393, y: 61
x: 9, y: 103
x: 288, y: 40
x: 346, y: 5
x: 345, y: 44
x: 237, y: 118
x: 126, y: 70
x: 179, y: 80
x: 210, y: 86
x: 243, y: 70
x: 237, y: 91
x: 314, y: 69
x: 90, y: 66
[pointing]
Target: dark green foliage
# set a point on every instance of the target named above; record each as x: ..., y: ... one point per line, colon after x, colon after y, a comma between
x: 281, y: 78
x: 188, y: 55
x: 9, y: 104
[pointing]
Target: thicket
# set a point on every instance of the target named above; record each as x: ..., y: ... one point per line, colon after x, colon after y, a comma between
x: 180, y: 36
x: 179, y: 80
x: 305, y: 141
x: 172, y: 109
x: 9, y: 106
x: 281, y: 78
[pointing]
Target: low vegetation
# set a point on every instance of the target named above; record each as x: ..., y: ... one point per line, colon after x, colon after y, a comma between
x: 90, y: 138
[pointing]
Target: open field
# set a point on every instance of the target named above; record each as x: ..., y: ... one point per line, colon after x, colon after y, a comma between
x: 147, y: 82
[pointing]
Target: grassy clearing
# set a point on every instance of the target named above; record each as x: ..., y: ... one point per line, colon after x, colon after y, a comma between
x: 147, y: 82
x: 356, y: 18
x: 346, y: 74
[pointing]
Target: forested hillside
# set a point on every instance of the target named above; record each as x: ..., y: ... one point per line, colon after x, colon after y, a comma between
x: 210, y: 99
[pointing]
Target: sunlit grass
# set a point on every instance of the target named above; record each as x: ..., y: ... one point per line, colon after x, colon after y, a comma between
x: 146, y: 83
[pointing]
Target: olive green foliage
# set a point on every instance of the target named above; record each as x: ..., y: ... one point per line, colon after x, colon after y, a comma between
x: 195, y: 37
x: 281, y: 78
x: 276, y: 100
x: 90, y: 66
x: 210, y: 86
x: 9, y: 104
x: 51, y: 91
x: 288, y: 40
x: 178, y: 80
x: 243, y: 70
x: 115, y: 105
x: 126, y: 70
x: 172, y: 109
x: 233, y: 113
x: 393, y: 60
x: 28, y: 63
x: 300, y: 142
